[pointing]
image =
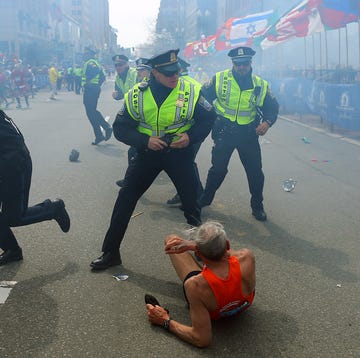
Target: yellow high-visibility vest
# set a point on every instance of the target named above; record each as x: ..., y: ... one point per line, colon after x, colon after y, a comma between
x: 95, y: 79
x: 130, y: 81
x: 237, y: 105
x: 174, y: 115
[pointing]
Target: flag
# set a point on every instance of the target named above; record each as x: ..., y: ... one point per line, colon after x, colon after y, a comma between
x: 200, y: 48
x: 303, y: 20
x: 221, y: 40
x: 336, y: 14
x: 241, y: 30
x: 309, y: 17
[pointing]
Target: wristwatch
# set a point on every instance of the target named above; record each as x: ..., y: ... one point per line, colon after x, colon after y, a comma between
x: 167, y: 324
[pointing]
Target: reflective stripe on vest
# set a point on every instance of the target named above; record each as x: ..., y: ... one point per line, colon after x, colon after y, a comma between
x: 94, y: 80
x: 191, y: 80
x: 130, y: 80
x: 174, y: 115
x: 237, y: 105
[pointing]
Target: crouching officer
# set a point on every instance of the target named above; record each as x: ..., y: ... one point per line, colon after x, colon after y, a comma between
x: 184, y: 74
x: 163, y: 118
x: 142, y: 74
x: 15, y: 180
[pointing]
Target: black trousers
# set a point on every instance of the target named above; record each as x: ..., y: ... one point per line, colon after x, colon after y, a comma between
x: 248, y: 148
x: 90, y: 100
x: 77, y: 84
x: 178, y: 164
x: 14, y: 198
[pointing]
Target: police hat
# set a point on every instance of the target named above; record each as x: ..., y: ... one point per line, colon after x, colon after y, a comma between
x: 183, y: 64
x: 165, y: 62
x: 74, y: 155
x: 120, y: 58
x: 142, y: 64
x: 241, y: 54
x: 89, y: 50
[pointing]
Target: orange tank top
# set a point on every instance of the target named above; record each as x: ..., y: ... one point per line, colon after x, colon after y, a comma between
x: 228, y: 292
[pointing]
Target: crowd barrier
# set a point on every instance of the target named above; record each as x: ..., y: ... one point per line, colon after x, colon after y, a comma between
x: 337, y: 104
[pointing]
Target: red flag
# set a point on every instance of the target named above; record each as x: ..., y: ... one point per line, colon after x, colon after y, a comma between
x: 311, y: 16
x: 336, y: 14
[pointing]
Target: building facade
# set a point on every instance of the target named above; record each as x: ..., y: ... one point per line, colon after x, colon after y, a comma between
x: 39, y: 31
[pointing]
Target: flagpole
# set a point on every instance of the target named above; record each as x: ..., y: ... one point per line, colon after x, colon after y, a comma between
x: 313, y: 51
x: 359, y: 40
x: 320, y: 40
x: 347, y: 46
x: 339, y: 46
x: 305, y: 55
x: 326, y: 52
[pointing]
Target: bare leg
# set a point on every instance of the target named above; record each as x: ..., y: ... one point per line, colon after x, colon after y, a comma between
x: 184, y: 263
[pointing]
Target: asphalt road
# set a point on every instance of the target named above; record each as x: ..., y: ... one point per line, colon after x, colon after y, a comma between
x: 307, y: 253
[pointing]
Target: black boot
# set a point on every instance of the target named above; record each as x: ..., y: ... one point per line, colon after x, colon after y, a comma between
x: 106, y: 260
x: 10, y: 256
x: 60, y: 215
x: 174, y: 201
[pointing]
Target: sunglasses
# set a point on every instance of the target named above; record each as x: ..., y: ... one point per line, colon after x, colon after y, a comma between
x: 169, y: 73
x: 243, y: 63
x: 120, y: 64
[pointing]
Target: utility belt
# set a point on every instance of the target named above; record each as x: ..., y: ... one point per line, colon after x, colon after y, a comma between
x: 91, y: 85
x: 225, y: 129
x: 167, y: 151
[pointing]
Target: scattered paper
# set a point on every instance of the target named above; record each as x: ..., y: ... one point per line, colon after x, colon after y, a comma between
x: 137, y: 214
x: 120, y: 277
x: 5, y: 289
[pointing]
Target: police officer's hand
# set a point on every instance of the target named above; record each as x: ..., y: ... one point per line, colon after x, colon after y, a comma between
x: 182, y: 142
x: 115, y: 94
x: 155, y: 143
x: 262, y: 128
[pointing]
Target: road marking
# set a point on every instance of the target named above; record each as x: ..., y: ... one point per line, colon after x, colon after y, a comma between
x: 5, y: 289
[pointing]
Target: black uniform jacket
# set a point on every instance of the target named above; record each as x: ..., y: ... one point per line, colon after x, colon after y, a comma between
x: 270, y: 108
x: 125, y: 126
x: 13, y: 151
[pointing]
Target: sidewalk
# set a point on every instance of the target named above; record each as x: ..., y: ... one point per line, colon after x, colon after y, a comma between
x: 317, y: 124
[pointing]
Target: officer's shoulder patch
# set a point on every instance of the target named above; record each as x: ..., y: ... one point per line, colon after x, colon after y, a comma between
x: 205, y: 104
x: 143, y: 85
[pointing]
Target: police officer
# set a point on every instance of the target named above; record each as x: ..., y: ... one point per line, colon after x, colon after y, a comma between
x: 245, y: 109
x: 143, y: 72
x: 184, y: 74
x: 163, y: 119
x: 15, y: 180
x: 77, y: 78
x: 92, y: 78
x: 70, y: 78
x: 126, y: 77
x: 142, y: 68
